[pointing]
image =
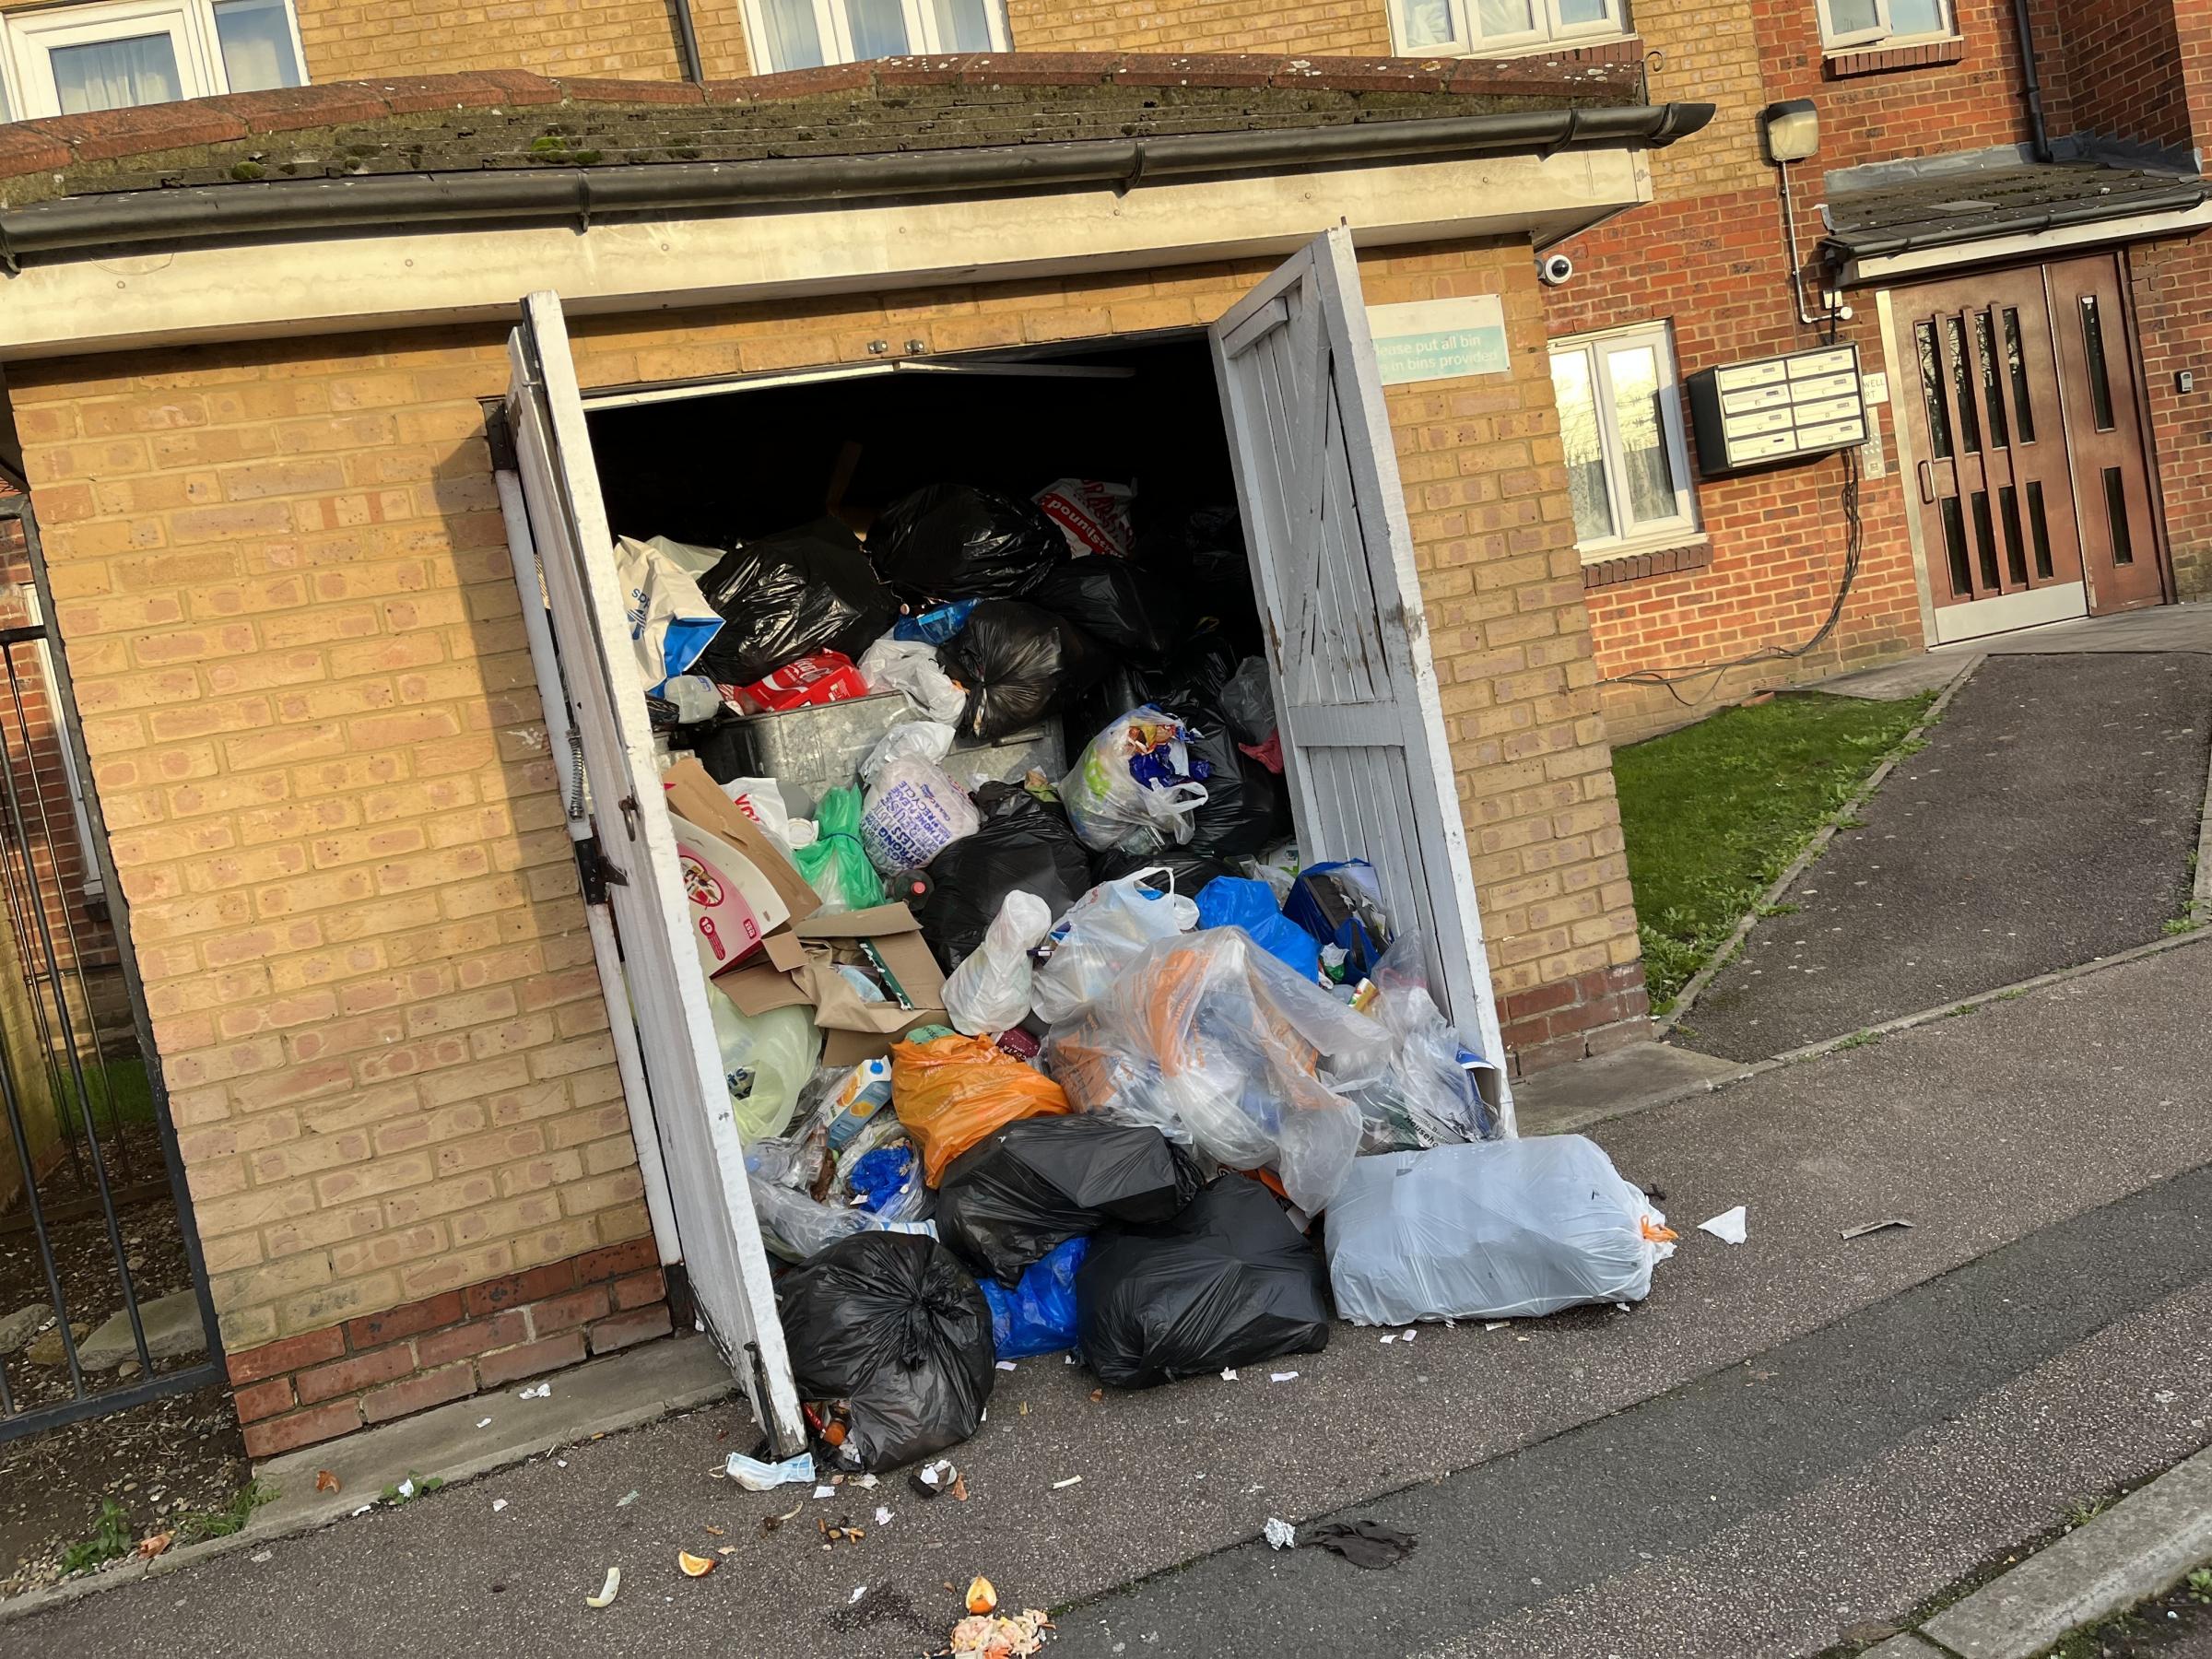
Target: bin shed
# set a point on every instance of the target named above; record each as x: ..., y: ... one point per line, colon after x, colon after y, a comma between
x: 325, y: 396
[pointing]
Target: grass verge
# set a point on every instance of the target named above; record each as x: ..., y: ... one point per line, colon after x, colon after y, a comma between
x: 1713, y: 813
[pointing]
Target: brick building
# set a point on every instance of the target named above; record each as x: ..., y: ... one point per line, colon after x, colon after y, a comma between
x: 282, y: 569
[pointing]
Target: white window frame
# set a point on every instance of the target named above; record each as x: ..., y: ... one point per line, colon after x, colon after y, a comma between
x: 1469, y: 41
x: 27, y: 37
x: 1682, y: 525
x: 836, y: 31
x: 1883, y: 32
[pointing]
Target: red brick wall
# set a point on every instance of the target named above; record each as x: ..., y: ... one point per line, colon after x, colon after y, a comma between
x: 2172, y: 290
x: 2126, y: 63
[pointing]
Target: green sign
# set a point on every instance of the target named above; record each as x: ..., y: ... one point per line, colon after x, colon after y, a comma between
x: 1439, y: 339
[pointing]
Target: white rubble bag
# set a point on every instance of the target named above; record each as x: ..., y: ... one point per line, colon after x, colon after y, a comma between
x: 1490, y: 1230
x: 670, y: 620
x: 989, y: 992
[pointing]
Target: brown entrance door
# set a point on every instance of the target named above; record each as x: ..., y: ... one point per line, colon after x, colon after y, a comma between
x: 2104, y: 433
x: 1992, y: 487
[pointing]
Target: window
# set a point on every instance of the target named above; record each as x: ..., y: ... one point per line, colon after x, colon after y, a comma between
x: 1621, y: 424
x: 1472, y: 25
x: 1871, y: 22
x: 73, y: 60
x: 805, y: 34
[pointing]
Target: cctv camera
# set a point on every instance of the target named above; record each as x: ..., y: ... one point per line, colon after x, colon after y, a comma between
x: 1555, y: 269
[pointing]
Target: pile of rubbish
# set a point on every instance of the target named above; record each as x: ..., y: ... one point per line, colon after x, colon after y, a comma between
x: 1041, y: 1035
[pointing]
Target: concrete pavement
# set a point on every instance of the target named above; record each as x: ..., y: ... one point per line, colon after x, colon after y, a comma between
x: 2040, y: 1133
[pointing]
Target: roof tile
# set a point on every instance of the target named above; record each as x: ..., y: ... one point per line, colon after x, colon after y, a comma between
x: 103, y: 135
x: 299, y: 109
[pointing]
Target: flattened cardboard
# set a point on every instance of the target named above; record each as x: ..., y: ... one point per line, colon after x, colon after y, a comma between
x: 802, y: 972
x: 693, y: 795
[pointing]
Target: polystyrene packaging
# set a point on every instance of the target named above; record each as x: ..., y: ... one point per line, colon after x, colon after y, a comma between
x: 1493, y: 1229
x: 1104, y: 932
x: 1214, y: 1042
x: 990, y: 991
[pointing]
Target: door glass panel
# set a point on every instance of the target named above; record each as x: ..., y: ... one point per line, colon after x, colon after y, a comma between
x: 1637, y: 413
x: 878, y: 28
x: 256, y: 43
x: 963, y: 26
x: 1954, y: 547
x: 1584, y: 441
x: 1970, y: 423
x: 2092, y: 345
x: 2039, y: 531
x: 1985, y: 543
x: 2015, y: 555
x: 1993, y: 391
x: 1494, y: 18
x: 1931, y: 392
x: 2023, y: 406
x: 2115, y: 509
x: 794, y: 42
x: 1424, y: 23
x: 115, y: 74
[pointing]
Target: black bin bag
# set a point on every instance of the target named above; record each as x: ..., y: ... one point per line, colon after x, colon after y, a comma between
x: 1128, y: 610
x: 1247, y: 807
x: 1014, y: 1198
x: 1186, y: 872
x: 949, y: 541
x: 1018, y: 663
x: 890, y: 1337
x: 1023, y: 846
x: 1228, y: 1282
x: 790, y: 594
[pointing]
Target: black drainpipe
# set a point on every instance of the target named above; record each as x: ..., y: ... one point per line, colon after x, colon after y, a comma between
x: 687, y: 42
x: 2034, y: 90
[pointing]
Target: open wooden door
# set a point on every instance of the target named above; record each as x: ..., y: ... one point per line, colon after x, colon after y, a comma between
x: 635, y: 852
x: 1364, y: 746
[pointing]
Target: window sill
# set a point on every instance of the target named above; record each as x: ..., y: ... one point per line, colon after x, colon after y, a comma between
x: 1615, y: 566
x: 1852, y: 61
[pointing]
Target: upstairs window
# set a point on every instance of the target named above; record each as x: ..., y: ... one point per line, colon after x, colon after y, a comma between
x: 806, y: 34
x: 1471, y: 27
x: 1845, y: 23
x: 75, y: 60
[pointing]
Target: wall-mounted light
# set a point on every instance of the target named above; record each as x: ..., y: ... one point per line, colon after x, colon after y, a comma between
x: 1792, y: 129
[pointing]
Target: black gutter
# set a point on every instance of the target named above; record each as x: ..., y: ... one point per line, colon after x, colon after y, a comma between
x: 97, y: 225
x: 2178, y: 198
x: 2032, y: 84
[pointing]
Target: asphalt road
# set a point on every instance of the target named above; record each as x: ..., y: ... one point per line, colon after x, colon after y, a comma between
x: 2049, y: 821
x: 2034, y: 1133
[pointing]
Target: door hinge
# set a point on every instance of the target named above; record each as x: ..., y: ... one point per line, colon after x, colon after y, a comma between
x: 499, y: 435
x: 594, y: 873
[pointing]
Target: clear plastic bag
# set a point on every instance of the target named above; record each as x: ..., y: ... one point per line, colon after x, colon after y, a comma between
x: 990, y: 991
x: 1108, y: 802
x: 929, y: 740
x: 766, y: 1060
x: 1498, y: 1229
x: 1103, y: 931
x: 1213, y: 1042
x: 835, y: 862
x: 910, y: 666
x: 1428, y: 1085
x: 795, y: 1227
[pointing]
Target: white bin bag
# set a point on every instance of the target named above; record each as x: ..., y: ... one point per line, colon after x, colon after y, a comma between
x: 1493, y: 1229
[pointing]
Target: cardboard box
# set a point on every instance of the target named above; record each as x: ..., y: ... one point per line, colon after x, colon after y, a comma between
x: 695, y: 795
x: 801, y: 971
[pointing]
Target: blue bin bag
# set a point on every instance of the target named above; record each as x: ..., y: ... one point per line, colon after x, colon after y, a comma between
x: 1233, y: 901
x: 1342, y: 904
x: 1038, y: 1316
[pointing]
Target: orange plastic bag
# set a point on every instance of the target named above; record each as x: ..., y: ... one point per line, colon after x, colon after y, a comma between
x: 951, y: 1091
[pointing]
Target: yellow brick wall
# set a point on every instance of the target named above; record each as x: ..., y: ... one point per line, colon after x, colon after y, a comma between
x: 357, y: 40
x: 280, y: 572
x: 1705, y: 51
x: 1357, y: 28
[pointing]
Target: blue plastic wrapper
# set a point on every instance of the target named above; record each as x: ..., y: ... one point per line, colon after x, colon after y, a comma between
x: 1038, y: 1316
x: 1233, y: 901
x: 879, y: 1177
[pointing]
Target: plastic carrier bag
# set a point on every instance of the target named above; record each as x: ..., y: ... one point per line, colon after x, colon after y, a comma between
x: 1229, y: 1281
x: 1038, y: 1315
x: 990, y: 991
x: 766, y: 1060
x: 836, y: 863
x: 670, y: 621
x: 1102, y: 933
x: 890, y: 1342
x: 1026, y: 1188
x: 1234, y: 901
x: 1132, y: 787
x: 795, y: 1227
x: 910, y: 666
x: 915, y: 810
x: 1211, y: 1040
x: 950, y: 1091
x: 1430, y: 1087
x: 1092, y: 514
x: 1496, y: 1230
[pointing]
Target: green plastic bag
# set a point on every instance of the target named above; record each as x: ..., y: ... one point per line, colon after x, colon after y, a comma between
x: 835, y: 865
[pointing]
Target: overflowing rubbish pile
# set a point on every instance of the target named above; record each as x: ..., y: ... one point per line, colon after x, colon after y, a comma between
x: 1041, y: 1035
